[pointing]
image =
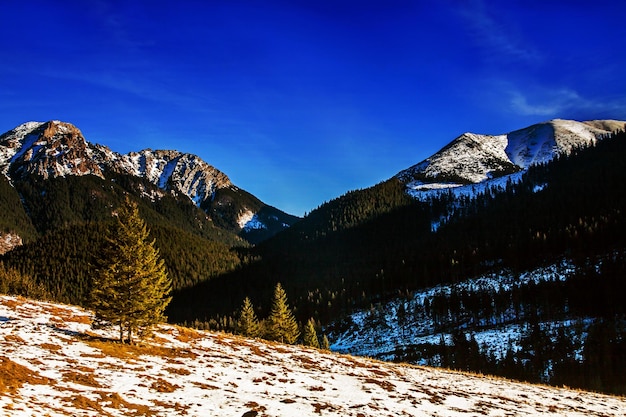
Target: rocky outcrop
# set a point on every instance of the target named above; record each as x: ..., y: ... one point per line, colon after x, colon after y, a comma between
x: 9, y: 241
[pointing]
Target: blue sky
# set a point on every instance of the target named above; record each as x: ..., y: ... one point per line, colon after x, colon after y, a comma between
x: 299, y: 102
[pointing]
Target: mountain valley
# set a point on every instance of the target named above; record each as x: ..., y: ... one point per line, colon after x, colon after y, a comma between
x: 484, y: 257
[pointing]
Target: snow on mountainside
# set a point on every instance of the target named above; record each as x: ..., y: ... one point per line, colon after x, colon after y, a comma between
x: 377, y: 333
x: 473, y: 158
x: 52, y: 363
x: 57, y: 149
x: 185, y: 173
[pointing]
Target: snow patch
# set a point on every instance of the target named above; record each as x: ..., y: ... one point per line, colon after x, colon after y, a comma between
x: 425, y: 192
x: 167, y: 173
x: 249, y: 221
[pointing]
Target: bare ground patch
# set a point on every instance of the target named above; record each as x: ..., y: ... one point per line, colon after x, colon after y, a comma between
x: 161, y: 385
x: 81, y: 378
x: 13, y: 376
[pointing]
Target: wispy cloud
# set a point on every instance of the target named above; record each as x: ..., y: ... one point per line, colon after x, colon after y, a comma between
x: 495, y: 36
x: 552, y: 104
x: 564, y: 102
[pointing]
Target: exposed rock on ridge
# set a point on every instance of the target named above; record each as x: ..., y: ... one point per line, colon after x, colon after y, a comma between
x: 56, y: 149
x: 51, y: 149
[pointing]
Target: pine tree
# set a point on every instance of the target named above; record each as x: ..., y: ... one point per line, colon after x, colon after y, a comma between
x: 310, y: 335
x: 325, y: 345
x: 131, y: 287
x: 248, y: 324
x: 282, y: 324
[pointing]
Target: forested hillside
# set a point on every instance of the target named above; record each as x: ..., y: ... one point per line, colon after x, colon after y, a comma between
x: 66, y: 225
x: 13, y: 217
x: 374, y: 245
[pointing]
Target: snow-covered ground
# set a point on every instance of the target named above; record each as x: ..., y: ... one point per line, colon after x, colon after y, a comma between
x: 53, y: 364
x: 376, y: 332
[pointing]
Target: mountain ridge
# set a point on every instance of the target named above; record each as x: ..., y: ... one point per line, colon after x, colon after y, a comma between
x: 56, y: 149
x: 473, y: 158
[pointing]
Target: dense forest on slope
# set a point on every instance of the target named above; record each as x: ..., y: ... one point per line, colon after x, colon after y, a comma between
x: 572, y: 206
x: 63, y: 259
x: 68, y: 220
x: 64, y: 201
x: 13, y: 217
x: 227, y: 205
x: 552, y: 324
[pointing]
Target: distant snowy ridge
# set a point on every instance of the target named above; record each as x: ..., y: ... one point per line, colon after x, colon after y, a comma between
x: 185, y: 173
x: 57, y: 149
x: 473, y: 158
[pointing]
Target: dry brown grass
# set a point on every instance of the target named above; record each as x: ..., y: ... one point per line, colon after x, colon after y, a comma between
x: 321, y: 407
x: 114, y: 400
x: 13, y: 303
x: 51, y: 347
x: 61, y: 315
x: 14, y: 338
x: 187, y: 335
x: 384, y: 384
x: 14, y: 375
x: 128, y: 352
x: 255, y: 406
x: 81, y: 378
x: 161, y: 385
x: 180, y: 410
x: 80, y: 402
x: 204, y: 386
x: 108, y: 400
x: 255, y: 349
x: 178, y: 371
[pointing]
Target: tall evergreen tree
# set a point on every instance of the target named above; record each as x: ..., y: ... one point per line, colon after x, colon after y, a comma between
x: 131, y: 287
x: 282, y: 324
x: 310, y: 334
x: 248, y: 324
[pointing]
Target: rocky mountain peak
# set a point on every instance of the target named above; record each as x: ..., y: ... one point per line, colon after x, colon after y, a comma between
x: 173, y: 170
x: 51, y: 149
x: 58, y: 149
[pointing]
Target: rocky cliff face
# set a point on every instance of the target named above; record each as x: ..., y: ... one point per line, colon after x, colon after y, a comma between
x: 51, y: 149
x: 9, y: 241
x: 174, y: 170
x: 56, y: 149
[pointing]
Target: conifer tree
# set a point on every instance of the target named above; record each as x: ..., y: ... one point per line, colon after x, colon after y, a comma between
x: 282, y: 324
x: 310, y: 334
x: 325, y: 345
x: 248, y: 324
x: 131, y: 287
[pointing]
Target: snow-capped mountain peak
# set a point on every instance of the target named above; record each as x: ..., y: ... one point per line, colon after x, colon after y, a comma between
x: 56, y: 148
x: 51, y: 149
x: 473, y: 158
x: 173, y: 170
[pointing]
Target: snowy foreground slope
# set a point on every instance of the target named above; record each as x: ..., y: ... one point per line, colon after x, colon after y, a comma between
x: 53, y: 364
